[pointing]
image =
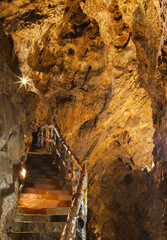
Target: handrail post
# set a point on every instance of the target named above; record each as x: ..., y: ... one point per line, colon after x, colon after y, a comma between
x: 47, y: 138
x: 62, y: 161
x: 73, y: 177
x: 85, y: 205
x: 82, y: 216
x: 51, y: 133
x: 42, y: 137
x: 66, y: 162
x: 68, y: 171
x: 57, y: 156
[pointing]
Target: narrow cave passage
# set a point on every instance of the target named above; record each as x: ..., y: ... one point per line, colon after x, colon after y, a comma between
x: 97, y: 71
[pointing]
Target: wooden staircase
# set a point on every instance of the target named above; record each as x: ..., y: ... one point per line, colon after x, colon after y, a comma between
x: 44, y: 202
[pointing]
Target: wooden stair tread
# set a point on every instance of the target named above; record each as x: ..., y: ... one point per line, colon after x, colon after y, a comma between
x: 40, y: 158
x: 43, y: 171
x: 45, y: 191
x: 43, y: 164
x: 46, y: 196
x: 40, y: 218
x: 58, y: 181
x: 40, y: 203
x: 43, y: 211
x: 32, y: 232
x: 44, y: 186
x: 42, y: 176
x: 35, y: 236
x: 38, y: 227
x: 43, y: 153
x: 46, y: 167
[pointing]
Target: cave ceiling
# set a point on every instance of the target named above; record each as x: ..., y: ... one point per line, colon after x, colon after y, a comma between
x: 81, y: 59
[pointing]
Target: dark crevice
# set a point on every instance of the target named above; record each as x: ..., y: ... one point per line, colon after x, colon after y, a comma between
x: 131, y: 159
x: 32, y: 16
x: 64, y: 99
x: 90, y: 150
x: 126, y: 43
x: 86, y: 76
x: 129, y: 166
x: 107, y: 99
x: 128, y: 179
x: 87, y: 125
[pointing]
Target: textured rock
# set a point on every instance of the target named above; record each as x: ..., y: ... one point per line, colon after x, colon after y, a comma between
x: 11, y: 151
x: 8, y: 196
x: 97, y: 69
x: 11, y: 142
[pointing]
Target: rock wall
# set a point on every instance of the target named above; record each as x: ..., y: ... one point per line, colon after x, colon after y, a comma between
x: 97, y: 70
x: 12, y: 123
x: 11, y: 149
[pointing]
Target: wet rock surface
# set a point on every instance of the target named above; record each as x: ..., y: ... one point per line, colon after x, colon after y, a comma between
x: 97, y: 69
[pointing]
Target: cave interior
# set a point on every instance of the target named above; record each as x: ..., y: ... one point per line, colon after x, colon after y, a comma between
x: 95, y: 71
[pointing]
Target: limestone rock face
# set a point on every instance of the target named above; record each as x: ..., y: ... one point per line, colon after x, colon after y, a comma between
x: 11, y: 151
x: 8, y: 194
x: 97, y: 69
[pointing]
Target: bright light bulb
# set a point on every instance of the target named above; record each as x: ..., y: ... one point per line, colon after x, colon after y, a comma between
x: 23, y: 172
x: 24, y: 81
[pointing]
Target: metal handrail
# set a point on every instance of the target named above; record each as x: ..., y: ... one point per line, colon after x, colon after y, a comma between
x: 76, y: 173
x: 72, y: 230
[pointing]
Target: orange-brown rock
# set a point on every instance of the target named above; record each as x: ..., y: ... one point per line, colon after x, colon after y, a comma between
x: 97, y: 69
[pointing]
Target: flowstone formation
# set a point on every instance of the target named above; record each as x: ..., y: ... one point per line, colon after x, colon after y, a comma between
x: 97, y: 69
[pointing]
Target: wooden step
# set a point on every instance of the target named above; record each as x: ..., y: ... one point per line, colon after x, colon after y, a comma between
x: 48, y: 168
x: 37, y: 227
x: 45, y: 196
x: 43, y: 153
x: 39, y: 163
x: 40, y: 218
x: 35, y: 236
x: 45, y: 167
x: 39, y: 154
x: 42, y: 171
x: 37, y: 175
x: 45, y: 191
x: 41, y: 203
x: 40, y: 158
x: 53, y: 172
x: 33, y: 158
x: 46, y: 156
x: 44, y: 186
x: 58, y: 181
x: 43, y: 211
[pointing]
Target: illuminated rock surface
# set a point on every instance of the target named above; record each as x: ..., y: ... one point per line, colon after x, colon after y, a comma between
x: 98, y: 71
